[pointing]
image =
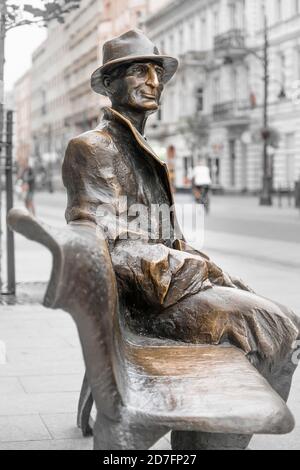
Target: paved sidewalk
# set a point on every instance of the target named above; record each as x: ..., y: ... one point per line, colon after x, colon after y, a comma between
x: 41, y: 379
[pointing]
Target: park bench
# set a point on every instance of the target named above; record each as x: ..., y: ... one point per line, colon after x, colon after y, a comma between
x: 143, y: 387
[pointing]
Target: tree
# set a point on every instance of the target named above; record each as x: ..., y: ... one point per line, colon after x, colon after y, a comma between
x: 25, y: 14
x: 13, y: 15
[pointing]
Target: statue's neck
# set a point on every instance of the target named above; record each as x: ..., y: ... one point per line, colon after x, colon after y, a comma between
x: 137, y: 118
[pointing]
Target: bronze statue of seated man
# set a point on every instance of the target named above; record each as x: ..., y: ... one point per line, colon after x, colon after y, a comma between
x: 182, y: 294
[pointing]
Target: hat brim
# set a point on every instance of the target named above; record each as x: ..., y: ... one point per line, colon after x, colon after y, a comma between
x: 170, y: 65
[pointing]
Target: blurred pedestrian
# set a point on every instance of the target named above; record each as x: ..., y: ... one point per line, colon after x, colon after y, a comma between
x: 202, y: 184
x: 28, y: 186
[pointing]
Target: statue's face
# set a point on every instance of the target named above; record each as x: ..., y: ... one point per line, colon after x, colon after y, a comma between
x: 139, y: 87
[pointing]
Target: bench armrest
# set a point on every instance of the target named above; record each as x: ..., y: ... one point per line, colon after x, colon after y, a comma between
x: 83, y: 284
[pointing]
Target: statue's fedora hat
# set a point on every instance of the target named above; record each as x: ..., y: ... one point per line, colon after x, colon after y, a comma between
x: 131, y: 46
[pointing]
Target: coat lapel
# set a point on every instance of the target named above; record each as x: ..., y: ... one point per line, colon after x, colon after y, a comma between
x: 138, y: 137
x: 110, y: 113
x: 142, y: 143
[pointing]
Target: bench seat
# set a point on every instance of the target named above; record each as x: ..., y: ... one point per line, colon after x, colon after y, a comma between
x: 193, y: 387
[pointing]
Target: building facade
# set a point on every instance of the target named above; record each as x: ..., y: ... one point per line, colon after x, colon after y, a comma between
x: 61, y: 102
x: 22, y: 102
x: 213, y: 108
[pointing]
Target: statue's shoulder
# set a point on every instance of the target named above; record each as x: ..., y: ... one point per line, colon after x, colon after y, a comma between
x: 95, y: 140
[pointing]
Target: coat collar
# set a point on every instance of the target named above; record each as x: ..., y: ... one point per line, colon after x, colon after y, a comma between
x: 109, y: 114
x: 112, y: 113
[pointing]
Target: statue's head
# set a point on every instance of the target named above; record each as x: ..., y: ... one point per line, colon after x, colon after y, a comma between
x: 134, y: 73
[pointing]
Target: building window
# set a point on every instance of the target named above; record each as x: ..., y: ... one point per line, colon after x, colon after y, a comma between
x: 282, y: 65
x: 171, y: 109
x: 192, y: 36
x: 232, y: 15
x: 187, y: 169
x: 203, y: 33
x: 183, y: 97
x: 290, y: 175
x: 278, y: 10
x: 216, y: 23
x: 44, y: 104
x: 139, y: 18
x: 199, y: 99
x: 171, y: 43
x: 107, y: 9
x: 232, y: 155
x: 181, y: 45
x: 243, y: 14
x: 298, y: 64
x: 234, y: 85
x: 216, y: 90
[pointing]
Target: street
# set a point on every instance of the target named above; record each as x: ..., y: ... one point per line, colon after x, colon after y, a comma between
x: 261, y: 245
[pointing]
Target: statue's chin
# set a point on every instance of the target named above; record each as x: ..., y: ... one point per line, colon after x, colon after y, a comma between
x: 152, y: 107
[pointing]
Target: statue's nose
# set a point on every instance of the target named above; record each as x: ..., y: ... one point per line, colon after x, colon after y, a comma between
x: 152, y: 78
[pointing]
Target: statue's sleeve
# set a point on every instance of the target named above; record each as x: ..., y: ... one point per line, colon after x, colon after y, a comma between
x: 89, y: 179
x: 158, y: 274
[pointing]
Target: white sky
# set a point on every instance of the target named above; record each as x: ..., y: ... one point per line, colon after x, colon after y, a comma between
x: 19, y: 45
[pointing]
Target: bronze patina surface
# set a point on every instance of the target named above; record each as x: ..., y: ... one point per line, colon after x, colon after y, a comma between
x: 170, y: 290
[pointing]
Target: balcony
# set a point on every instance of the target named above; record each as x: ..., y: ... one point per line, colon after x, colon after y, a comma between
x: 232, y: 112
x: 194, y: 58
x: 161, y: 130
x: 230, y: 44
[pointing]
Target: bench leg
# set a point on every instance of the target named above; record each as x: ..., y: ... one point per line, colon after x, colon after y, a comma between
x: 124, y: 435
x: 85, y: 406
x: 190, y: 440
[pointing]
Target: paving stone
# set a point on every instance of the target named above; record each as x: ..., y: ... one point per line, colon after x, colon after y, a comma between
x: 62, y: 425
x: 37, y: 341
x: 73, y: 341
x: 22, y: 428
x: 10, y: 385
x: 54, y: 368
x: 52, y: 383
x: 62, y: 444
x: 26, y: 404
x: 40, y: 356
x: 286, y: 442
x: 25, y: 312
